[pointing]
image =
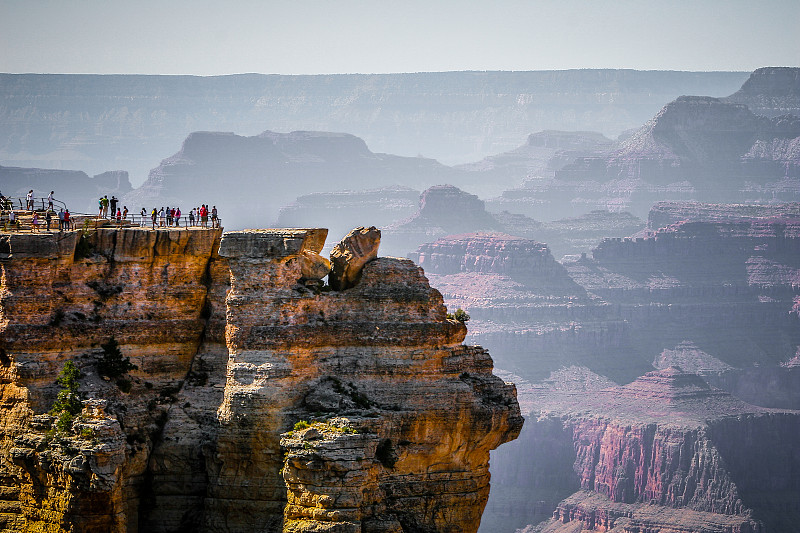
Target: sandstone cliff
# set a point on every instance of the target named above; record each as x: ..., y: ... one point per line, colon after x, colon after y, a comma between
x: 232, y: 350
x: 669, y: 453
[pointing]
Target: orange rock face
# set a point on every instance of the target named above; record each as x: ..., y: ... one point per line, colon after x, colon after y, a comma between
x: 233, y: 348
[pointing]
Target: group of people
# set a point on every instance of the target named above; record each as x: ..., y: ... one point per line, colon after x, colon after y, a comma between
x: 104, y: 203
x: 64, y: 220
x: 64, y: 217
x: 171, y: 216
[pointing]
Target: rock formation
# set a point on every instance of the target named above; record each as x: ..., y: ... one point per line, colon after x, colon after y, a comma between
x: 233, y: 349
x: 770, y: 91
x: 348, y: 258
x: 443, y: 210
x: 274, y: 169
x: 669, y: 453
x: 696, y: 148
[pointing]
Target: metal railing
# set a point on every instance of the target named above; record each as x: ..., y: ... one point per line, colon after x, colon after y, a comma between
x: 25, y: 219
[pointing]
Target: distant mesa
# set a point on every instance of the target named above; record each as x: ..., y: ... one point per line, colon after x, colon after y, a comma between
x: 443, y: 210
x: 770, y: 91
x: 265, y: 172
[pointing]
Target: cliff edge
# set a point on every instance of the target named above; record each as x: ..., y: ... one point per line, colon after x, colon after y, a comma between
x: 256, y: 398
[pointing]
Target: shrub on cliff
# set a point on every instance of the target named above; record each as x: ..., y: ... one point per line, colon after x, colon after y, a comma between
x: 112, y: 364
x: 459, y: 315
x: 68, y: 402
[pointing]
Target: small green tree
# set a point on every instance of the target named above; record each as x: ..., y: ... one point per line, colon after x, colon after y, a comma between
x: 112, y: 363
x: 68, y: 402
x: 461, y: 316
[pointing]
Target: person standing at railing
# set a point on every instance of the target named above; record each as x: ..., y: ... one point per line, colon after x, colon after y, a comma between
x: 48, y: 217
x: 113, y: 203
x: 29, y: 200
x: 61, y: 220
x: 35, y: 222
x: 67, y: 220
x: 177, y: 217
x: 125, y: 212
x: 153, y: 216
x: 50, y: 201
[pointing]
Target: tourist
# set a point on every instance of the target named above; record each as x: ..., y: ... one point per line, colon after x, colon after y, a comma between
x: 119, y: 216
x: 50, y: 202
x: 12, y: 218
x: 61, y: 220
x: 191, y: 217
x: 143, y: 214
x: 169, y: 216
x: 125, y: 212
x: 29, y: 200
x: 153, y: 215
x: 203, y: 216
x: 113, y: 203
x: 104, y: 203
x: 67, y: 221
x: 214, y: 217
x: 100, y: 205
x: 162, y: 217
x: 48, y: 217
x: 177, y: 217
x: 35, y: 221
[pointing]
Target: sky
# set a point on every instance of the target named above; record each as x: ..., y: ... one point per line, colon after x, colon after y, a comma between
x: 202, y: 37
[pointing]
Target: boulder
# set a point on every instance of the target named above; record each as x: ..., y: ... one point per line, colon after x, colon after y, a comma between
x: 351, y: 254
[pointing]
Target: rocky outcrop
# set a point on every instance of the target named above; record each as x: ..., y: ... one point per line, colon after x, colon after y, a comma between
x: 697, y: 148
x: 770, y: 91
x: 348, y: 258
x: 443, y: 210
x: 665, y: 214
x: 668, y: 441
x: 722, y: 150
x: 232, y: 349
x: 524, y: 261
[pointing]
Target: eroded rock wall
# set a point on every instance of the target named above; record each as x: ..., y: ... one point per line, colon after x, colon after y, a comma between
x: 231, y: 351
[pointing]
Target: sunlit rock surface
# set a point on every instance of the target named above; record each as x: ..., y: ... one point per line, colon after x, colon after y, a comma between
x: 236, y: 339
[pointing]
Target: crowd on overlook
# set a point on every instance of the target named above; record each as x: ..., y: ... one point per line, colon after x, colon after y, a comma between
x: 46, y: 216
x: 28, y: 216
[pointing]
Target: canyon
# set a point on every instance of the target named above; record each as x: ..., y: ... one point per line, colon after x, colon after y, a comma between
x: 698, y: 307
x: 261, y: 398
x: 99, y: 123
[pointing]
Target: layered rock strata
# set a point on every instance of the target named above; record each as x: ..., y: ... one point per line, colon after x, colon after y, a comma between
x: 232, y: 350
x: 669, y: 453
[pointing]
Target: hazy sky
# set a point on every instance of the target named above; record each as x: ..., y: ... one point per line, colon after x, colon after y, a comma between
x: 346, y: 36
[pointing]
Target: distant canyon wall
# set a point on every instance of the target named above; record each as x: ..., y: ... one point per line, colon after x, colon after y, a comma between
x: 131, y: 122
